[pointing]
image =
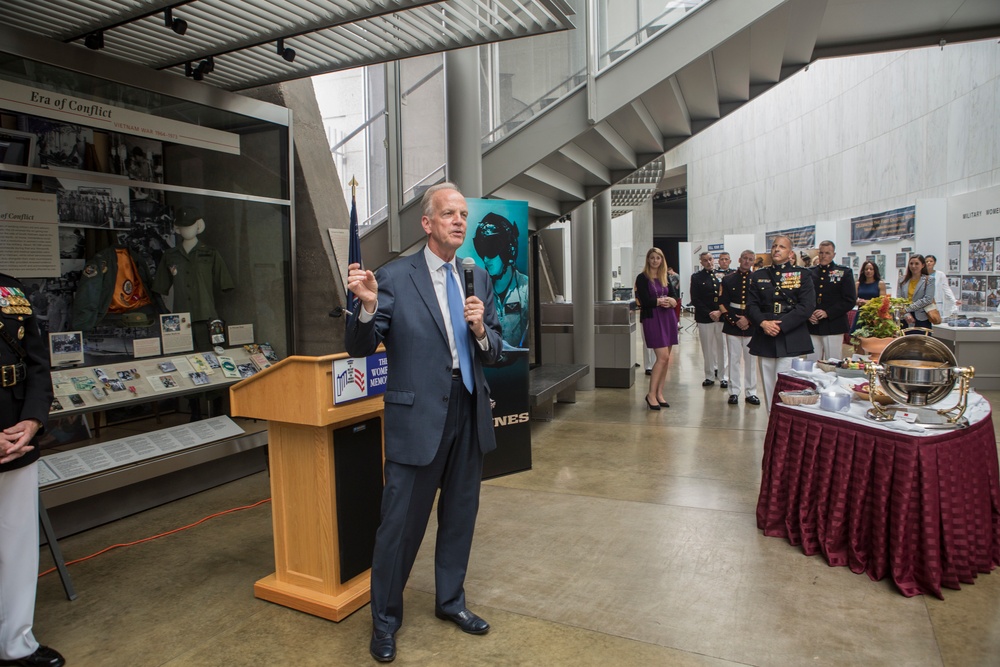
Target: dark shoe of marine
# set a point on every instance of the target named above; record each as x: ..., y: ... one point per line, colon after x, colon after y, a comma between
x: 724, y: 384
x: 708, y: 383
x: 733, y: 399
x: 466, y: 620
x: 383, y: 646
x: 42, y: 657
x: 753, y: 400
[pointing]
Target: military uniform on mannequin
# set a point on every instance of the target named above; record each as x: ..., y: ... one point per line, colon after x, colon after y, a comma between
x: 196, y: 272
x: 25, y: 398
x: 115, y: 282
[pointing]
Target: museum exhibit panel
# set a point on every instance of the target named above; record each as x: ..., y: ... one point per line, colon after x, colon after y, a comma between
x: 151, y: 228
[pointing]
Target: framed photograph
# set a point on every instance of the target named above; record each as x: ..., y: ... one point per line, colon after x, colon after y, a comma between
x: 59, y: 144
x: 17, y: 149
x: 175, y: 333
x: 86, y: 204
x: 66, y: 348
x: 981, y: 255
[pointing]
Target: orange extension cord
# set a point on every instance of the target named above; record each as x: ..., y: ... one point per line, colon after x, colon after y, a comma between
x: 154, y: 537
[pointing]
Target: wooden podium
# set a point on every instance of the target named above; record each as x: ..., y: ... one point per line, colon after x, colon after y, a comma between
x: 326, y: 485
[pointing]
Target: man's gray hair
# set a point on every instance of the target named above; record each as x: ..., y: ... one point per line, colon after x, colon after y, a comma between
x: 426, y: 208
x: 829, y: 243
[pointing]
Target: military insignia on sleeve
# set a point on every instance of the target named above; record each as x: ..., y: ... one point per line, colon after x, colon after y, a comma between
x: 90, y: 271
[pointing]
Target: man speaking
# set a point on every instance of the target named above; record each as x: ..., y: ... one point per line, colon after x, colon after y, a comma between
x: 438, y: 418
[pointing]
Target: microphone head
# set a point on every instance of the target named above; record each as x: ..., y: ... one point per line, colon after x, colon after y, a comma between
x: 468, y: 263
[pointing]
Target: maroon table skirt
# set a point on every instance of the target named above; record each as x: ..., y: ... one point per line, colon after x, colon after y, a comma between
x: 923, y: 510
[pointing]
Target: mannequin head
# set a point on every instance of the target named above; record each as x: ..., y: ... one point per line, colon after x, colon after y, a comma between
x: 189, y: 224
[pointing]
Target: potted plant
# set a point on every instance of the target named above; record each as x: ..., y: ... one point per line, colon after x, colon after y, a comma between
x: 877, y: 324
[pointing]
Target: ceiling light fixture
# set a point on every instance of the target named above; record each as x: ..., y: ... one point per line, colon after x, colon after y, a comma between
x: 286, y: 53
x: 180, y: 26
x: 198, y: 72
x: 95, y: 40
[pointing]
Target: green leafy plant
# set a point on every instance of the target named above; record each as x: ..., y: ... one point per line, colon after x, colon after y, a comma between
x: 877, y: 318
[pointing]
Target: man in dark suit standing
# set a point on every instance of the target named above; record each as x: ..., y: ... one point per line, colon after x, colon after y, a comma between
x: 836, y: 294
x: 438, y: 417
x: 25, y: 398
x: 704, y: 294
x: 779, y: 302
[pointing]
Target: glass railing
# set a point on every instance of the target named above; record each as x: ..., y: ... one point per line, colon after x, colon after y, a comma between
x: 630, y: 24
x: 623, y: 25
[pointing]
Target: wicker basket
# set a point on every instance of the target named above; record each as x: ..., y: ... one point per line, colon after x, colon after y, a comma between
x: 798, y: 399
x: 879, y: 397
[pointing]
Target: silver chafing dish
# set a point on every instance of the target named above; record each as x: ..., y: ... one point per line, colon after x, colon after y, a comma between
x: 918, y: 371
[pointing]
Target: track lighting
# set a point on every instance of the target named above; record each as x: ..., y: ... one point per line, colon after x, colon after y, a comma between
x: 198, y: 72
x: 95, y: 40
x: 286, y: 53
x: 180, y: 26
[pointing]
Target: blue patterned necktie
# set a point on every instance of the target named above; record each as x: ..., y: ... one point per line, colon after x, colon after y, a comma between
x: 456, y: 308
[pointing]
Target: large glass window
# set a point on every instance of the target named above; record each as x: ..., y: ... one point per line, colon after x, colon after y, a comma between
x: 352, y: 104
x: 422, y: 122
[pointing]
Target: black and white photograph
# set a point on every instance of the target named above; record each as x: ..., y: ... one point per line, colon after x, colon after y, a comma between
x: 115, y: 385
x: 126, y: 375
x: 56, y: 405
x: 89, y: 204
x: 76, y: 400
x: 981, y: 255
x: 199, y: 378
x: 60, y: 144
x: 66, y: 348
x: 246, y: 370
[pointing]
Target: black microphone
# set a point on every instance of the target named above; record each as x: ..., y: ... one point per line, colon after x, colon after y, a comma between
x: 338, y: 311
x: 468, y: 264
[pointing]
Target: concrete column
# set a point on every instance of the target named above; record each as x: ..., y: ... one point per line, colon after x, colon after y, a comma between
x: 583, y: 292
x: 464, y: 127
x: 602, y: 246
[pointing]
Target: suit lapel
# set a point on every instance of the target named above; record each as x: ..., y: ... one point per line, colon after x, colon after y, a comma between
x: 421, y: 276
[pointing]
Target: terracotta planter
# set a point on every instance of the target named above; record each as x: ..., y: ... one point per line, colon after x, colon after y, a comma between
x: 874, y: 346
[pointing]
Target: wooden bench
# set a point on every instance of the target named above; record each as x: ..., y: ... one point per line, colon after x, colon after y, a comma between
x: 551, y: 382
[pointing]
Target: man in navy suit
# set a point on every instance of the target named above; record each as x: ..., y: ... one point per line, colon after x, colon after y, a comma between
x: 438, y: 417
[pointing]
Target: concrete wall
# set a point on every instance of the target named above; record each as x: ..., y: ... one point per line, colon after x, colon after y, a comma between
x: 849, y: 137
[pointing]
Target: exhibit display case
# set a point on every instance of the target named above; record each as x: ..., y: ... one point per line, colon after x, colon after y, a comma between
x: 150, y: 220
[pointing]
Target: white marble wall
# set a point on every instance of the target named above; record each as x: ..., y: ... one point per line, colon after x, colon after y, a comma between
x: 848, y: 137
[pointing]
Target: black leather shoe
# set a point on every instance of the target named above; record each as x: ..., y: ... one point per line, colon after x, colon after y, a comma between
x: 383, y: 646
x: 42, y: 657
x: 708, y: 383
x: 753, y: 400
x: 649, y: 371
x: 733, y: 399
x: 466, y: 620
x: 724, y: 384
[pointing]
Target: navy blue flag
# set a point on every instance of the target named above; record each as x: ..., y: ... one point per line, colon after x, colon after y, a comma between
x: 353, y: 256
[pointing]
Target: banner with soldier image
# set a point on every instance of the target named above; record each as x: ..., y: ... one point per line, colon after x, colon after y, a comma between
x: 497, y: 239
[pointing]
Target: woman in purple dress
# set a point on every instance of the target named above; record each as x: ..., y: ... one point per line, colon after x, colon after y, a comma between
x: 657, y: 299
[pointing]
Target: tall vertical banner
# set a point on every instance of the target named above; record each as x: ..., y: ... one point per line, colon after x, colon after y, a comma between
x: 497, y: 238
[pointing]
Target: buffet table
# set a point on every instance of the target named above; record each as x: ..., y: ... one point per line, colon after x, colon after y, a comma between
x: 923, y: 509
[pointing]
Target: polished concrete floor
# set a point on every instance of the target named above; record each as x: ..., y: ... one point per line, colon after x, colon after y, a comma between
x: 632, y: 541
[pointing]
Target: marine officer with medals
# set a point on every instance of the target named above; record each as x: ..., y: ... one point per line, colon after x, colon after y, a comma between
x: 836, y: 294
x: 780, y: 301
x: 705, y: 299
x: 25, y: 399
x: 737, y: 330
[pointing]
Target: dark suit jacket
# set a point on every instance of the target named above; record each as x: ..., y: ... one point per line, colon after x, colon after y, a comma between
x: 836, y: 293
x: 792, y: 288
x: 410, y: 323
x: 32, y: 398
x: 644, y: 297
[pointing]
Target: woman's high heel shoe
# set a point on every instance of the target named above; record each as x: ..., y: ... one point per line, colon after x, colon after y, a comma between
x: 651, y: 406
x: 664, y: 404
